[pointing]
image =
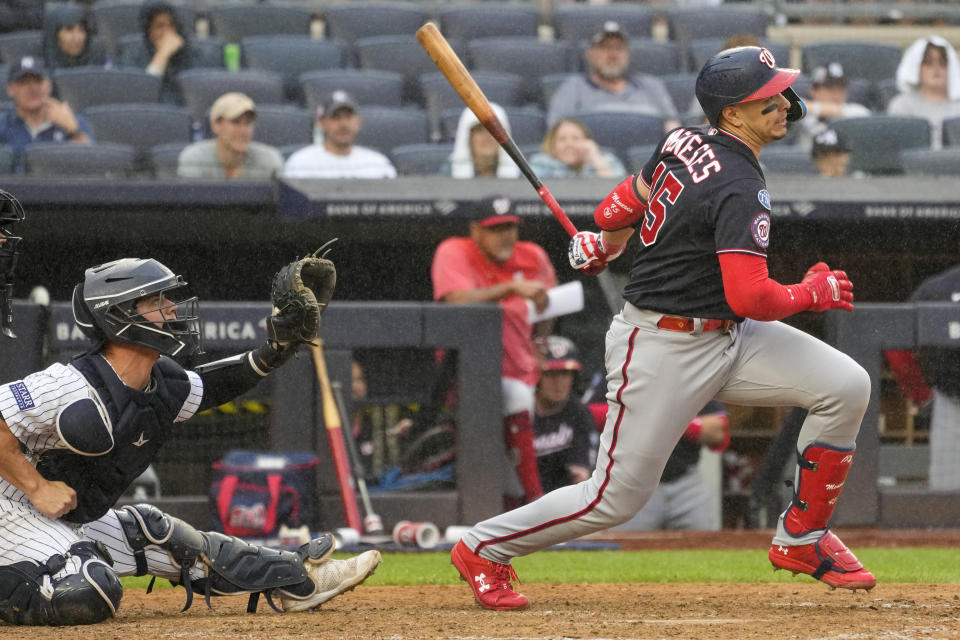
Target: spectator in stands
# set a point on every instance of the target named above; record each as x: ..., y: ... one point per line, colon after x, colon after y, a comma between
x: 35, y: 116
x: 493, y: 265
x: 165, y: 49
x: 569, y: 151
x: 928, y: 79
x: 828, y: 101
x: 20, y: 15
x: 564, y: 431
x: 831, y: 154
x: 337, y: 156
x: 476, y: 153
x: 607, y: 86
x: 232, y: 153
x: 681, y: 500
x: 67, y: 39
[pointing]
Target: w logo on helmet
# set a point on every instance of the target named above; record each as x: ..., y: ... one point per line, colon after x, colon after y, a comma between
x: 767, y: 58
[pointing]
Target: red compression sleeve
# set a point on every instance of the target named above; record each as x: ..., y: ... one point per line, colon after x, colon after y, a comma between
x: 752, y: 294
x: 907, y: 373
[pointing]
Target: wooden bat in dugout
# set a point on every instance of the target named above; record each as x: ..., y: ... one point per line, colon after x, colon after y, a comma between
x: 466, y: 87
x: 338, y: 449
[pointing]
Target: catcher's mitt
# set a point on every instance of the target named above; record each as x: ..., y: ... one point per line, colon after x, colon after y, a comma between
x: 300, y: 293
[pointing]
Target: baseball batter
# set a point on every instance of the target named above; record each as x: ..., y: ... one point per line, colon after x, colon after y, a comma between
x: 700, y: 322
x: 73, y: 437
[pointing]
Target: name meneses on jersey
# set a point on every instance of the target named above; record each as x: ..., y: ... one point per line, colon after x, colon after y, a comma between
x: 688, y: 148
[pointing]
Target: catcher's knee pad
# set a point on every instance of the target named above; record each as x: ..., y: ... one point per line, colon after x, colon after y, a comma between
x: 144, y: 524
x: 823, y: 472
x: 30, y: 596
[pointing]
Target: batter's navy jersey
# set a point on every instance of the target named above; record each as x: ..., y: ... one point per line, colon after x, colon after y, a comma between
x: 707, y: 197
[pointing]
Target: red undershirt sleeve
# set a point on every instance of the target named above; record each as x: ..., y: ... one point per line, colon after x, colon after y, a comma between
x: 752, y: 294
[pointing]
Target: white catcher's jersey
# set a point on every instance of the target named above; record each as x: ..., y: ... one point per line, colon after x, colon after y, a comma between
x: 31, y: 407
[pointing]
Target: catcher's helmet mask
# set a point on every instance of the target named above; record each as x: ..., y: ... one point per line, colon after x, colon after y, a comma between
x: 105, y: 307
x: 743, y: 74
x: 11, y: 212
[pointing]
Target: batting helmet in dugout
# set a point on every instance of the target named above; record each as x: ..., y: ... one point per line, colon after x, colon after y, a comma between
x: 743, y: 74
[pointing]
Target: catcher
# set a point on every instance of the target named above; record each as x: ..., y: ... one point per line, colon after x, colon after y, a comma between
x: 74, y: 436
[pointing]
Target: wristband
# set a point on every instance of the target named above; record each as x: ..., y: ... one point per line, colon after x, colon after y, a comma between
x: 694, y: 429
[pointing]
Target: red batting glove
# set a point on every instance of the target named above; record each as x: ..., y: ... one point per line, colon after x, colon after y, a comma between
x: 588, y: 254
x: 829, y: 290
x: 813, y: 271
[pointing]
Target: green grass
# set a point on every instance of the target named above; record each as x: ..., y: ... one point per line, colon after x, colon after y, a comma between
x: 920, y: 565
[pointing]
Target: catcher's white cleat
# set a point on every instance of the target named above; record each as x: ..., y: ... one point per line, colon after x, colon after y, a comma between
x: 332, y: 578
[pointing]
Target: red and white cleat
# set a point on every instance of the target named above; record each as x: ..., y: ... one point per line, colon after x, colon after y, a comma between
x: 489, y: 580
x: 827, y: 560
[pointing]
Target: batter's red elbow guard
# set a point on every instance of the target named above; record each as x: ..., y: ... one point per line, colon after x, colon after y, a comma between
x: 622, y: 208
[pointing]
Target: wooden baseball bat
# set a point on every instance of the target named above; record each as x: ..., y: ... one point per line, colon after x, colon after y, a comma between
x: 331, y: 419
x: 466, y: 87
x: 372, y: 523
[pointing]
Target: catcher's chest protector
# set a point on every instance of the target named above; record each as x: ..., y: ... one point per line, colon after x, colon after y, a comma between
x: 140, y: 420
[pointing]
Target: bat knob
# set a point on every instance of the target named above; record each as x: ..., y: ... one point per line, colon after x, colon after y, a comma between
x: 373, y: 524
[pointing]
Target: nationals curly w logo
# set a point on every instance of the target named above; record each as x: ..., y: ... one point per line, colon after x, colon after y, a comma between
x: 767, y: 58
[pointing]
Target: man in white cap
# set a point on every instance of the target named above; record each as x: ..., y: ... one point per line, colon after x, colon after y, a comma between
x: 337, y: 156
x: 608, y: 86
x: 232, y: 153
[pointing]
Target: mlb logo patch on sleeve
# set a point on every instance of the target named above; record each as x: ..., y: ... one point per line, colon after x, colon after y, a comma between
x: 22, y: 395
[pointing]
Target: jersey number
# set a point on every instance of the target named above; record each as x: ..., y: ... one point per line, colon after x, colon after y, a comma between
x: 666, y: 194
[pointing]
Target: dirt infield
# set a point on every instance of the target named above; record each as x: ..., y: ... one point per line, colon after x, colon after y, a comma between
x: 801, y: 610
x: 804, y: 610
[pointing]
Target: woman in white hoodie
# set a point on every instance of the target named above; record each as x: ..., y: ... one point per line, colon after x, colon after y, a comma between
x: 928, y: 79
x: 476, y: 153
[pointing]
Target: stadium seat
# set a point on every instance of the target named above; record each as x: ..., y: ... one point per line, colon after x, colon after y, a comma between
x: 117, y: 18
x: 481, y: 20
x: 876, y: 141
x: 6, y: 159
x: 282, y: 125
x: 140, y: 126
x: 884, y: 92
x: 620, y: 130
x: 700, y: 50
x: 291, y: 56
x: 506, y: 89
x: 366, y: 86
x: 787, y: 159
x: 681, y: 87
x: 951, y: 132
x: 349, y: 21
x: 872, y: 61
x: 232, y: 22
x: 638, y: 155
x: 399, y: 54
x: 655, y: 57
x: 165, y: 157
x: 86, y: 87
x: 527, y: 123
x: 579, y: 22
x: 18, y: 44
x: 59, y: 160
x: 201, y: 87
x: 208, y: 51
x: 942, y: 162
x: 384, y: 128
x: 529, y: 58
x: 693, y: 23
x: 424, y: 159
x: 549, y: 84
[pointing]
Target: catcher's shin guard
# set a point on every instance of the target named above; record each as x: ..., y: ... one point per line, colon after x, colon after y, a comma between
x: 232, y: 566
x: 30, y: 596
x: 823, y: 471
x: 518, y: 433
